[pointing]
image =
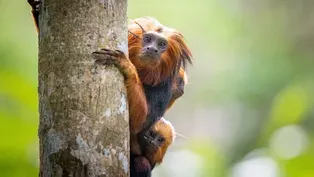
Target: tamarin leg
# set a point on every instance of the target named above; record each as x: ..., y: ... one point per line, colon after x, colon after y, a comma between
x: 35, y: 11
x: 136, y: 96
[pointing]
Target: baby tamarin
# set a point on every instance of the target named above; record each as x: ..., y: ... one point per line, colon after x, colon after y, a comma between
x: 155, y: 142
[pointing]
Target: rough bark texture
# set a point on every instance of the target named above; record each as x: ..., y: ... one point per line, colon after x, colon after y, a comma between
x: 84, y: 126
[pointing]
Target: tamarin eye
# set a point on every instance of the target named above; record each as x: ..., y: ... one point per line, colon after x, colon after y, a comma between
x: 147, y: 39
x: 162, y: 44
x: 152, y: 134
x: 160, y: 140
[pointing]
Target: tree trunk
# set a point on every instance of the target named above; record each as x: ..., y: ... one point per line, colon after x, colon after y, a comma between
x: 84, y: 125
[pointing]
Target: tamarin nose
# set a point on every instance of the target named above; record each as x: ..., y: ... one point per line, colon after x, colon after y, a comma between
x: 151, y: 49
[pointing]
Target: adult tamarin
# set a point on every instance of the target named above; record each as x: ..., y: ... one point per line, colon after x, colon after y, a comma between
x: 159, y: 55
x: 154, y: 142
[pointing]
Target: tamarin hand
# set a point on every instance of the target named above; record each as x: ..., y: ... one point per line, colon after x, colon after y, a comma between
x: 107, y: 56
x: 154, y: 144
x: 117, y: 58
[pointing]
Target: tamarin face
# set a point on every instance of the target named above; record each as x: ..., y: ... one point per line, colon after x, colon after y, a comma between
x: 156, y: 51
x: 153, y: 46
x: 152, y: 141
x: 157, y: 139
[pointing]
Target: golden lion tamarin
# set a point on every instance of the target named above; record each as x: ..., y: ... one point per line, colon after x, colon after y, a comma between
x: 154, y: 142
x: 159, y: 55
x: 157, y: 140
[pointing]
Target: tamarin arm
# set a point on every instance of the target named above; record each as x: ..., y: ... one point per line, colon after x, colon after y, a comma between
x: 136, y: 96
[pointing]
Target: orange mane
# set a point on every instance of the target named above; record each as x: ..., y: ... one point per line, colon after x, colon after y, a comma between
x: 164, y: 128
x: 176, y: 55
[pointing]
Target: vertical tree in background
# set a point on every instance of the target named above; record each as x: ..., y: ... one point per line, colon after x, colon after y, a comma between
x: 84, y: 129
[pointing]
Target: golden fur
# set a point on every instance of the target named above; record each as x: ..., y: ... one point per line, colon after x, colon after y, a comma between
x: 166, y: 130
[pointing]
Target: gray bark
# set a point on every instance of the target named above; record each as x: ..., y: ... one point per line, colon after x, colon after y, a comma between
x: 84, y: 125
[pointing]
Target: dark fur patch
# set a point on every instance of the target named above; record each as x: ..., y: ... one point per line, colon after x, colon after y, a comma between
x: 158, y: 98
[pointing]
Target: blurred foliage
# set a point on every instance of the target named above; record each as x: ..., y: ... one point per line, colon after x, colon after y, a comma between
x: 18, y: 91
x: 252, y: 76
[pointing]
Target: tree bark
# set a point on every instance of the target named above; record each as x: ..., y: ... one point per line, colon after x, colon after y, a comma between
x: 84, y: 125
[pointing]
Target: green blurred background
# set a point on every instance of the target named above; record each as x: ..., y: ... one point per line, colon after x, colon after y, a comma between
x: 248, y: 108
